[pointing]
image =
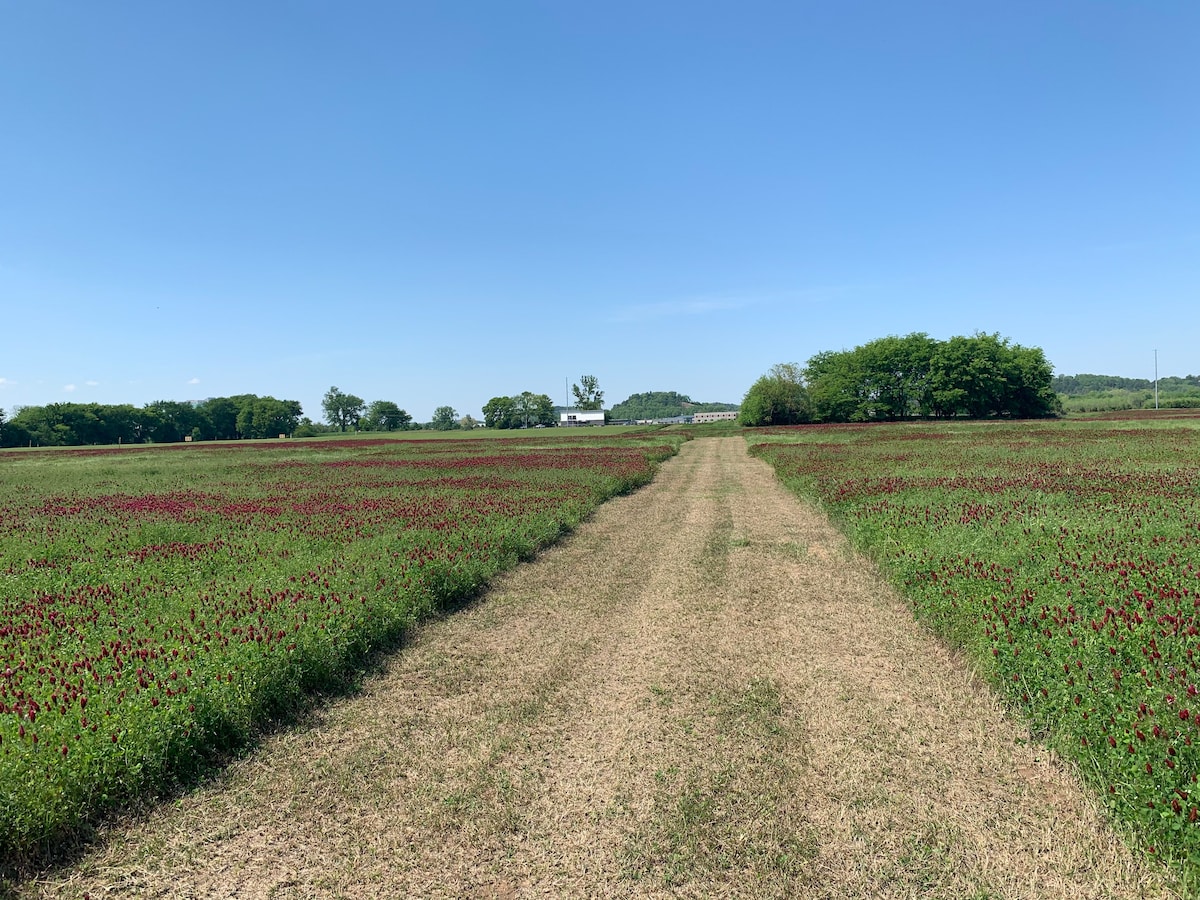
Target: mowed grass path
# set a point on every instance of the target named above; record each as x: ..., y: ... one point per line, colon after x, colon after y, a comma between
x: 702, y: 692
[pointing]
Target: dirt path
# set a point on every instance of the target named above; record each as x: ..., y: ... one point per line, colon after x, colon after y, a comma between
x: 701, y: 693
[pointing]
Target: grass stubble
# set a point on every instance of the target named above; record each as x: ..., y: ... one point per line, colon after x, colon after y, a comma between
x: 701, y: 693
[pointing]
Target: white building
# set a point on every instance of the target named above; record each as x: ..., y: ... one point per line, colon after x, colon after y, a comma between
x: 701, y: 417
x: 581, y: 417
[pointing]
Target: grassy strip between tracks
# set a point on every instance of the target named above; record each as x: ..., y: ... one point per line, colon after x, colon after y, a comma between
x: 1065, y: 558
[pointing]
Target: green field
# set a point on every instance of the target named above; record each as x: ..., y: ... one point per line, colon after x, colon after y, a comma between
x: 1064, y: 557
x: 159, y: 605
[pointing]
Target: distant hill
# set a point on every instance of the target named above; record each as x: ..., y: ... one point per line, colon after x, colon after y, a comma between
x: 663, y: 405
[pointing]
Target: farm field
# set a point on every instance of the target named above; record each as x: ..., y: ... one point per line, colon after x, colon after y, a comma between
x: 158, y: 605
x: 1064, y: 557
x: 701, y: 692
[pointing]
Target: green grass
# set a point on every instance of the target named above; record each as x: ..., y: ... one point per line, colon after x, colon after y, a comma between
x: 1065, y: 558
x: 158, y: 606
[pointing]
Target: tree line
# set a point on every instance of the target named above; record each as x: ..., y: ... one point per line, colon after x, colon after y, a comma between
x: 1077, y: 385
x: 344, y: 411
x: 241, y: 417
x: 524, y: 410
x: 163, y: 421
x: 1102, y: 393
x: 1116, y: 400
x: 914, y: 376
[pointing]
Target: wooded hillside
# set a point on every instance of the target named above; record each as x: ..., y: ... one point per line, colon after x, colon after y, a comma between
x: 663, y: 405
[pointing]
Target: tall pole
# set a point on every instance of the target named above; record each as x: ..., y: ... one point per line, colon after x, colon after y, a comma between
x: 1156, y: 379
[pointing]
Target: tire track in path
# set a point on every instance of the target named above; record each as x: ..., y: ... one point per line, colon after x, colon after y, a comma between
x: 700, y: 693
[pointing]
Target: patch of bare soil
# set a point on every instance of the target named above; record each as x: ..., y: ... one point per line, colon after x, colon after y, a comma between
x: 701, y: 693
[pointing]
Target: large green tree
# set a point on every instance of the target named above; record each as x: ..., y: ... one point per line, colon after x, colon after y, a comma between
x: 534, y: 409
x: 523, y: 410
x: 385, y: 415
x: 163, y: 421
x: 444, y: 418
x: 903, y: 377
x: 267, y: 417
x: 222, y: 414
x: 587, y: 393
x: 777, y: 398
x: 172, y: 420
x: 12, y: 434
x: 65, y: 424
x: 341, y: 409
x: 886, y: 378
x: 499, y: 412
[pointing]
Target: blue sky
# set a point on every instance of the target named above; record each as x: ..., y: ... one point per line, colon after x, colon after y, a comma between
x: 439, y: 202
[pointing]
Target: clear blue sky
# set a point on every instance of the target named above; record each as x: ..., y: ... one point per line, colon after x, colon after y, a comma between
x: 439, y: 202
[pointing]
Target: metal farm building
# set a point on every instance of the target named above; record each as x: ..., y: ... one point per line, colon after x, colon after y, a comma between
x: 702, y: 417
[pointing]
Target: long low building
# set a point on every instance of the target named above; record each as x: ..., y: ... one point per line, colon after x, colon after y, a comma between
x: 581, y: 417
x: 702, y: 417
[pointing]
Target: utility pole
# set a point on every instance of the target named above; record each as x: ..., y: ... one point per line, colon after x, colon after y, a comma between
x: 1156, y: 379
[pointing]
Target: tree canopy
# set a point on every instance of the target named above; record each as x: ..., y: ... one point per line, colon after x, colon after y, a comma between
x: 163, y: 421
x: 341, y: 409
x: 444, y: 418
x: 777, y: 398
x: 523, y: 410
x: 587, y: 393
x: 384, y: 415
x: 904, y: 377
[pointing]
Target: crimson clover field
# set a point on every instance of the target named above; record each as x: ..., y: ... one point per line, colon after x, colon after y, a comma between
x: 157, y: 605
x: 1064, y: 557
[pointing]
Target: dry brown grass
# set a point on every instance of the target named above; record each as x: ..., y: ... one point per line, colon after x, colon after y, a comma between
x: 701, y: 693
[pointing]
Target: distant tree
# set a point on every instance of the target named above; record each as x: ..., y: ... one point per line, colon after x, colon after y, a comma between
x: 1031, y: 384
x: 895, y: 373
x: 44, y: 425
x: 525, y: 410
x: 587, y: 393
x: 123, y: 424
x: 12, y: 434
x: 171, y: 420
x: 982, y: 376
x: 267, y: 417
x: 888, y: 378
x: 222, y: 414
x: 163, y: 421
x: 902, y: 377
x: 499, y: 412
x: 342, y: 409
x: 534, y: 409
x: 384, y: 415
x: 444, y: 418
x: 468, y: 422
x: 777, y: 398
x: 835, y: 388
x: 1102, y: 393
